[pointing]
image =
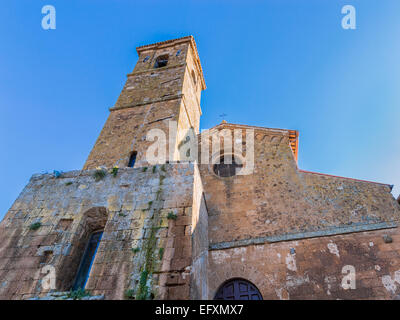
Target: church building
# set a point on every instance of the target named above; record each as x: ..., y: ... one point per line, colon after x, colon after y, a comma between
x: 161, y: 210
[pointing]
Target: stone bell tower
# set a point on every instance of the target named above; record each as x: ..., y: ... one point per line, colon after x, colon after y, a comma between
x: 165, y: 86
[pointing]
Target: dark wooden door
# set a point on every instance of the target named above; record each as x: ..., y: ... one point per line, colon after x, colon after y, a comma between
x: 238, y: 289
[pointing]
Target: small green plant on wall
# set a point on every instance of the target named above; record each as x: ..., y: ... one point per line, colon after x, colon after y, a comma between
x: 171, y: 216
x: 130, y: 294
x: 78, y: 294
x: 161, y: 253
x: 135, y: 250
x: 114, y: 171
x: 35, y: 226
x: 99, y: 174
x: 142, y: 293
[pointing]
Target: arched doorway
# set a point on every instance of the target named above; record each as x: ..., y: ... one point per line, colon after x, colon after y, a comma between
x: 238, y: 289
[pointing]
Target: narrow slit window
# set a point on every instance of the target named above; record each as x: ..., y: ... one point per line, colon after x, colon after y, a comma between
x: 132, y: 159
x: 194, y: 78
x: 87, y: 261
x: 161, y: 61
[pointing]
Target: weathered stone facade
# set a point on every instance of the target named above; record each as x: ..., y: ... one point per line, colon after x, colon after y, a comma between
x: 176, y: 230
x: 290, y: 232
x: 138, y: 239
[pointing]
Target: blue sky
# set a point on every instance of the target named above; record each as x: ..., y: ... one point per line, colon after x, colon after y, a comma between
x: 277, y: 63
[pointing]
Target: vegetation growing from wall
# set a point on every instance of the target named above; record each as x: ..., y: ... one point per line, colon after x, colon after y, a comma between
x: 130, y: 294
x: 171, y: 216
x: 161, y: 253
x: 151, y: 254
x: 99, y: 174
x: 114, y: 171
x: 78, y: 294
x: 135, y: 250
x: 35, y: 226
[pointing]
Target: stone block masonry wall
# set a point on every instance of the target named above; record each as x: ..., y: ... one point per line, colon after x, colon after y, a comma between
x: 143, y: 252
x: 312, y: 268
x: 291, y: 232
x: 278, y: 199
x: 125, y: 131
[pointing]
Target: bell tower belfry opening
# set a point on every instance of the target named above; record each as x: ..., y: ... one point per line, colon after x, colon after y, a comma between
x: 164, y: 86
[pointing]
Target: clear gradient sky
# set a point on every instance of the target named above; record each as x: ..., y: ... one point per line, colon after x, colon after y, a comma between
x: 273, y: 63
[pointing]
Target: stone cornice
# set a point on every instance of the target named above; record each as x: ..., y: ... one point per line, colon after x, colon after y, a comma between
x: 242, y: 126
x: 332, y: 231
x: 339, y: 177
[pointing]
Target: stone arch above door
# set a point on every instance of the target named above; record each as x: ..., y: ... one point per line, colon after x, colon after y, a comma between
x: 238, y: 289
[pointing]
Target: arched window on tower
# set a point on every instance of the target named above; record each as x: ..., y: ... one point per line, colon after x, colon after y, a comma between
x: 132, y: 159
x: 161, y: 61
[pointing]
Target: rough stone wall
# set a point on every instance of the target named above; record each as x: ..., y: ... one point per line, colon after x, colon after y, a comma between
x: 141, y: 249
x: 313, y: 268
x: 126, y: 130
x: 279, y: 199
x: 252, y: 216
